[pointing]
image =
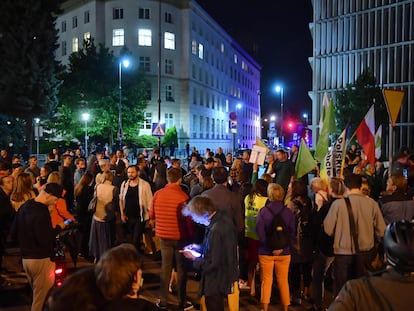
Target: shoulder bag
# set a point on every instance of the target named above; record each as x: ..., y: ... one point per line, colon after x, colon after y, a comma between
x: 365, y: 260
x: 93, y: 202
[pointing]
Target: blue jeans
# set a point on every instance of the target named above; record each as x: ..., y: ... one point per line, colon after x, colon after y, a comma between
x: 169, y: 250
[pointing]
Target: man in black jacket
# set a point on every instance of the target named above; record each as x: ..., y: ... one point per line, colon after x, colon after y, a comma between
x: 35, y: 234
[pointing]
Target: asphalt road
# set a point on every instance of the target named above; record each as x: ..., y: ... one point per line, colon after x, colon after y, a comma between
x: 16, y: 295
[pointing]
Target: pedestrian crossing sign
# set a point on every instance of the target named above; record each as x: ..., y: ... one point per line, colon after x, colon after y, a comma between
x: 158, y: 129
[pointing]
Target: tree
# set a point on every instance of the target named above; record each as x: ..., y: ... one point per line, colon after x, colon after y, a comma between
x: 170, y: 136
x: 353, y: 103
x: 91, y: 83
x: 28, y: 83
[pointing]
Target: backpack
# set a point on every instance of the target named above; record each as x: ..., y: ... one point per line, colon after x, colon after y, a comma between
x: 277, y: 234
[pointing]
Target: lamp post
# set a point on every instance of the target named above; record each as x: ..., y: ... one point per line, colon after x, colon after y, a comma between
x: 305, y: 116
x: 85, y: 117
x: 124, y: 63
x: 238, y: 108
x: 279, y: 89
x: 37, y: 135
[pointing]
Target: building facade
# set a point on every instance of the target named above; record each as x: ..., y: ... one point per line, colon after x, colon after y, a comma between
x: 204, y: 76
x: 352, y: 36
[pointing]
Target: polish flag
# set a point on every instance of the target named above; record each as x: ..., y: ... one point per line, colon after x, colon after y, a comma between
x: 365, y: 134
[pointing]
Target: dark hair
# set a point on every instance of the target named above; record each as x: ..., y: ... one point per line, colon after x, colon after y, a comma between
x: 200, y: 205
x: 299, y: 189
x: 116, y: 271
x: 353, y: 181
x: 84, y: 181
x: 399, y: 245
x: 259, y: 188
x: 337, y: 185
x: 78, y: 292
x: 174, y: 175
x: 220, y: 175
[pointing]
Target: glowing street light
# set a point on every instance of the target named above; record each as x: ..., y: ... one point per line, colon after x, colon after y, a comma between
x: 279, y: 89
x: 124, y: 63
x: 85, y: 117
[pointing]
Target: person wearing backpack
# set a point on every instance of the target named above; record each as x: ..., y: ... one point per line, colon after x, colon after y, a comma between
x: 276, y: 229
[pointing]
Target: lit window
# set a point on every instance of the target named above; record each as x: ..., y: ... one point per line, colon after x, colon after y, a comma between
x: 144, y: 37
x: 169, y: 41
x: 87, y: 36
x: 169, y: 93
x: 74, y: 22
x: 86, y: 17
x: 147, y: 121
x: 194, y: 47
x: 222, y: 48
x: 145, y: 63
x: 63, y: 26
x: 169, y: 120
x: 118, y: 37
x: 144, y: 13
x: 75, y: 44
x: 169, y: 66
x: 235, y: 58
x: 200, y: 51
x: 63, y: 47
x: 118, y: 13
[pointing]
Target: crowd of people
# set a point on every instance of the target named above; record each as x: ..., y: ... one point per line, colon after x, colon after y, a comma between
x: 221, y: 203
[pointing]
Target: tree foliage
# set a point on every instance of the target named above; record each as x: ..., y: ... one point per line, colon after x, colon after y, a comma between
x: 91, y: 85
x: 354, y: 101
x: 170, y: 136
x: 28, y: 83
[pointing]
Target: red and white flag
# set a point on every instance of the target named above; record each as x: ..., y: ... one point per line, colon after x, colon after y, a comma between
x: 365, y: 134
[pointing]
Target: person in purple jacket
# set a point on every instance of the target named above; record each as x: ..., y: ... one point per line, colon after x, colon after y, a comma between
x: 277, y: 259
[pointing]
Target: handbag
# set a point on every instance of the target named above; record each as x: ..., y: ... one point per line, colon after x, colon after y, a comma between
x: 93, y: 202
x: 365, y: 260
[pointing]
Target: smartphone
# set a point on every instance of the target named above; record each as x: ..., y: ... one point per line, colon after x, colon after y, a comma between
x: 405, y: 173
x: 195, y: 252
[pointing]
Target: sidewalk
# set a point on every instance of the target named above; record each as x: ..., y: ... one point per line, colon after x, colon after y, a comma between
x: 17, y: 295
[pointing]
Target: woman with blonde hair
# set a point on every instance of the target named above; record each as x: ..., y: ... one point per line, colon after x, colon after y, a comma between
x: 100, y: 238
x: 22, y: 190
x: 274, y: 259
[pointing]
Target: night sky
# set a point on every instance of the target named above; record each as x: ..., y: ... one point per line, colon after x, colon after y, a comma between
x: 276, y: 33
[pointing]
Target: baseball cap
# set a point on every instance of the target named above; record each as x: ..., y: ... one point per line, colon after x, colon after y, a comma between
x: 54, y: 189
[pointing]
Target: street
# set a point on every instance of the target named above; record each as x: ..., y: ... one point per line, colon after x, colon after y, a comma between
x: 16, y: 296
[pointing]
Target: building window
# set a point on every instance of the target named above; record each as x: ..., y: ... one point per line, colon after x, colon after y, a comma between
x: 63, y: 47
x: 145, y: 63
x: 86, y: 17
x: 169, y: 93
x: 235, y: 58
x: 87, y: 37
x: 144, y: 37
x: 63, y: 26
x: 148, y: 91
x: 74, y: 22
x: 194, y: 47
x: 169, y: 66
x: 169, y: 41
x: 200, y: 51
x: 169, y: 120
x: 118, y: 13
x: 168, y: 18
x: 147, y: 125
x: 222, y: 48
x: 75, y: 44
x: 144, y: 13
x: 118, y: 37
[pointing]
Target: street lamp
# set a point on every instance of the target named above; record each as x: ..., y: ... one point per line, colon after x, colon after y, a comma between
x: 125, y: 63
x: 37, y: 135
x: 279, y: 89
x: 238, y: 107
x: 305, y: 116
x: 85, y: 117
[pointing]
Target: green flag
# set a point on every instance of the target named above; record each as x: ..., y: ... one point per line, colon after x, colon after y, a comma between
x: 305, y: 162
x: 329, y: 126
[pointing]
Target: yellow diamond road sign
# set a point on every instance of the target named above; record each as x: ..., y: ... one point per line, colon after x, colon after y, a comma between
x: 393, y: 99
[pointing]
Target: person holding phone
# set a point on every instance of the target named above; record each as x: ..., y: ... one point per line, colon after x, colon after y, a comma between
x: 219, y: 270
